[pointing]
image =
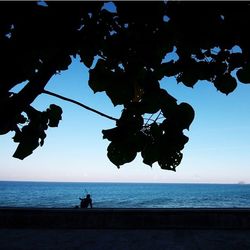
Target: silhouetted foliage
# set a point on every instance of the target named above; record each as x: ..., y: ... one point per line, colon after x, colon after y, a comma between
x: 124, y: 49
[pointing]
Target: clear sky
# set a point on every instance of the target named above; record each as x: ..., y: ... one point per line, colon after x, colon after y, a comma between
x: 217, y: 152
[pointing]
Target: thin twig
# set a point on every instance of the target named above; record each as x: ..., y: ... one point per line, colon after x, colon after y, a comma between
x: 79, y: 104
x: 158, y: 116
x: 149, y: 119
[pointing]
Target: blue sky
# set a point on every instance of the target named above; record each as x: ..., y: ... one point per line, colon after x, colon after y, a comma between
x: 217, y: 152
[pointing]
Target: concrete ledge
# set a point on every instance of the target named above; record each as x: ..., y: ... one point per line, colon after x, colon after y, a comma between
x: 124, y: 218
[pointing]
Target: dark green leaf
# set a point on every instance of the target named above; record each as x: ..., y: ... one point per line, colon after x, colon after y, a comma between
x: 5, y: 127
x: 236, y: 60
x: 115, y: 134
x: 167, y: 102
x: 225, y: 83
x: 244, y: 74
x: 131, y: 120
x: 25, y: 149
x: 54, y: 115
x: 150, y: 154
x: 171, y: 161
x: 28, y: 141
x: 119, y: 92
x: 99, y: 77
x: 87, y: 57
x: 155, y: 130
x: 62, y: 62
x: 18, y: 136
x: 185, y: 115
x: 120, y: 153
x: 167, y: 69
x: 151, y: 102
x: 189, y: 79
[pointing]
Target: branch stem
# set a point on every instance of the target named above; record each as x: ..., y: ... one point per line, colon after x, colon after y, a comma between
x: 79, y: 104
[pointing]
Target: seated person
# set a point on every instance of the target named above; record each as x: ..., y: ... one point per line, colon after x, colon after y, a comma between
x: 85, y: 202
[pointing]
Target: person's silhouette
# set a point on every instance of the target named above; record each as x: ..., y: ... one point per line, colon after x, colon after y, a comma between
x: 85, y: 202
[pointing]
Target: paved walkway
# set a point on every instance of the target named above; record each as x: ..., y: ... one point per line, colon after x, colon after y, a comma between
x: 48, y: 239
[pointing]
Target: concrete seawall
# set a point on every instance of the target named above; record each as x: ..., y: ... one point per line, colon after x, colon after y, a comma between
x: 31, y: 218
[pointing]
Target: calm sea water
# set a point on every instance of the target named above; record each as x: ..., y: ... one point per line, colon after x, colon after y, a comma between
x: 124, y: 195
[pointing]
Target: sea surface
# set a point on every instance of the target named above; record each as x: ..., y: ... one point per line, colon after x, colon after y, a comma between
x: 124, y: 195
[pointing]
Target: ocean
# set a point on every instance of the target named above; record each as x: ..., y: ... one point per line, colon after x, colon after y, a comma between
x: 124, y: 195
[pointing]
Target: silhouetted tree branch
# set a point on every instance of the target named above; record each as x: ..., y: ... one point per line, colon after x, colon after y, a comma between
x: 79, y: 104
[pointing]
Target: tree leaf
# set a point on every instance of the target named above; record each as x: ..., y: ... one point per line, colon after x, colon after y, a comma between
x: 244, y: 74
x: 25, y: 149
x: 87, y: 56
x: 54, y: 115
x: 235, y: 60
x: 120, y: 153
x: 225, y: 83
x: 28, y: 141
x: 189, y: 79
x: 185, y: 115
x: 150, y: 102
x: 171, y: 161
x: 150, y: 153
x: 99, y: 76
x: 131, y: 120
x: 167, y: 102
x: 167, y: 69
x: 119, y: 92
x: 115, y: 134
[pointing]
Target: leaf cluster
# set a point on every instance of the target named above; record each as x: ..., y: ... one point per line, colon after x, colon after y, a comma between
x: 124, y: 50
x: 32, y: 134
